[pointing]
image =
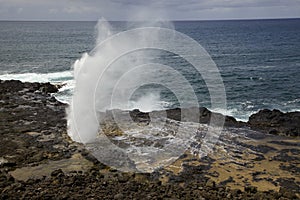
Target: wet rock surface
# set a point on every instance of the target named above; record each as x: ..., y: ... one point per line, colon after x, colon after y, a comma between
x: 38, y: 160
x: 268, y: 121
x: 199, y: 115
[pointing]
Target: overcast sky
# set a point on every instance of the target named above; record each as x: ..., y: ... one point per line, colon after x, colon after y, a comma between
x: 147, y: 9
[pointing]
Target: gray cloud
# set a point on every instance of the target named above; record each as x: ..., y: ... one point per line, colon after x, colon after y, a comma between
x: 138, y: 9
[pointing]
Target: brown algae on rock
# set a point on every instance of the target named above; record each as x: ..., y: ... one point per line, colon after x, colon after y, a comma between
x: 76, y: 163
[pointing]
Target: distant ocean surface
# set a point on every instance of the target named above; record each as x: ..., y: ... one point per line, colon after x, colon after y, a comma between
x: 259, y: 60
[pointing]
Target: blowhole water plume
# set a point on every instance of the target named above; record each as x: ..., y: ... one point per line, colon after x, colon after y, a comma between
x: 85, y: 68
x: 120, y: 73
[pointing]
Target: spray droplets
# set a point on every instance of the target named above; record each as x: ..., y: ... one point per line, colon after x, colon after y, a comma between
x: 120, y: 64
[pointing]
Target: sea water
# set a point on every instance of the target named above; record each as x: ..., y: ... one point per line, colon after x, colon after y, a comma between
x: 259, y: 60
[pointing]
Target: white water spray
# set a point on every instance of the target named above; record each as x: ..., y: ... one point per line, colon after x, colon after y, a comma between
x: 97, y: 66
x: 122, y: 63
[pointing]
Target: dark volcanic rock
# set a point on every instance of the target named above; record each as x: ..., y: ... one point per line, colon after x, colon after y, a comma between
x: 276, y: 122
x: 12, y: 86
x: 32, y: 122
x: 33, y: 134
x: 198, y: 115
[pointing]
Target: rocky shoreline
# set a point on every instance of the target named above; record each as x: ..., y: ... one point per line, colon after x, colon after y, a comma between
x: 268, y: 121
x: 38, y: 160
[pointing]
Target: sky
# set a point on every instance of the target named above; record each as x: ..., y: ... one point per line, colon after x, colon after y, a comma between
x: 91, y: 10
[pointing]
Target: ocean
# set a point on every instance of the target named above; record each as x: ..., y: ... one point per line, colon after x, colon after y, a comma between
x: 259, y: 60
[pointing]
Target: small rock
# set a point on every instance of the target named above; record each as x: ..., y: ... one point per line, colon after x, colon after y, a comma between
x: 250, y: 189
x: 229, y: 196
x: 210, y: 183
x: 57, y: 172
x: 3, y: 161
x: 287, y: 193
x: 123, y: 179
x: 119, y: 196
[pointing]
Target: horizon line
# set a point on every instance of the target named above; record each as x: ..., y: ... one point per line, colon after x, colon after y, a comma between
x: 173, y: 20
